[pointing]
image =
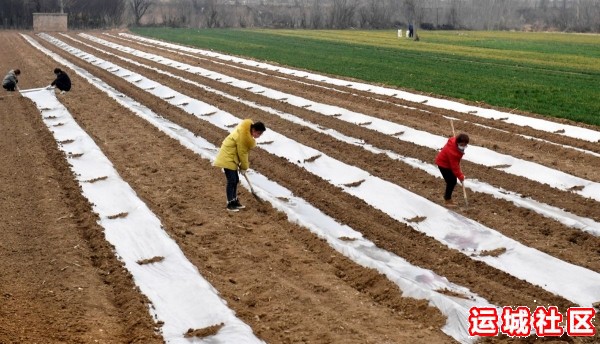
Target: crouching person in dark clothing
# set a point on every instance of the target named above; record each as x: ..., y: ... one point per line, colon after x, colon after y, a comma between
x: 62, y: 81
x: 10, y: 81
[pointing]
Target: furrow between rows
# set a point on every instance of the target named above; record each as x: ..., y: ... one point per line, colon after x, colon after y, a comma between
x: 325, y: 168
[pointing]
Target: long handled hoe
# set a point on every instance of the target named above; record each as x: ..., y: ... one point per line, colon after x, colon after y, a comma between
x: 463, y: 183
x: 251, y: 188
x: 465, y: 193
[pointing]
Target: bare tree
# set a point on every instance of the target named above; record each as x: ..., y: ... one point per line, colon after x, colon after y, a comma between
x: 195, y: 16
x: 86, y: 14
x: 589, y: 12
x: 211, y: 14
x: 497, y: 14
x: 14, y: 14
x: 342, y: 14
x: 43, y: 5
x: 111, y: 12
x: 568, y: 15
x: 177, y: 14
x: 300, y: 11
x: 316, y: 16
x: 454, y: 14
x: 139, y: 8
x: 245, y: 15
x: 410, y: 10
x: 375, y: 14
x: 413, y: 11
x: 563, y: 15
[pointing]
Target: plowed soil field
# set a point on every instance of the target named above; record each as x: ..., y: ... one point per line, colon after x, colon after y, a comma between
x: 60, y: 281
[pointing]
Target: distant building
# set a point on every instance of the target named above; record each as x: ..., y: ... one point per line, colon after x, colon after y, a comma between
x: 49, y: 22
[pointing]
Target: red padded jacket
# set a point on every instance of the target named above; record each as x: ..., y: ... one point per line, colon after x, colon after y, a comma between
x: 449, y: 157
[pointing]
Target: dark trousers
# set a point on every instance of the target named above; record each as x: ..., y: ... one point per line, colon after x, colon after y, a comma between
x: 450, y: 179
x: 233, y: 180
x: 10, y: 86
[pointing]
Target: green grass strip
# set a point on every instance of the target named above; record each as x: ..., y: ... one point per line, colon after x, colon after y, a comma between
x: 550, y: 74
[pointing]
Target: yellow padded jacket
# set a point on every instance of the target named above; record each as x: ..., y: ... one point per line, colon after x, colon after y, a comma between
x: 235, y: 148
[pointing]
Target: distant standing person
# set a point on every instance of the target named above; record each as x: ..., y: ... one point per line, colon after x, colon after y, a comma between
x: 448, y: 161
x: 411, y: 30
x: 233, y: 156
x: 62, y: 81
x: 10, y: 80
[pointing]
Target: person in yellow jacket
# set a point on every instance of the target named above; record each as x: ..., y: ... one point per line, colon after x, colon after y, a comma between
x: 233, y: 156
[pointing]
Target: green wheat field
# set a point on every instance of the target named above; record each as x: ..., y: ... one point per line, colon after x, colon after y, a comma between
x: 552, y: 74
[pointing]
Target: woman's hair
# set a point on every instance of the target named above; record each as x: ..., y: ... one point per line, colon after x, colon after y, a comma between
x: 462, y: 138
x: 17, y: 71
x: 57, y: 70
x: 258, y: 126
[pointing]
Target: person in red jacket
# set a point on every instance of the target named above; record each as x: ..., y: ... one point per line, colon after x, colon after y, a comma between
x: 448, y: 161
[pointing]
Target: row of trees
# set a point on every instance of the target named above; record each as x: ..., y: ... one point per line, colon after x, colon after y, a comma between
x: 82, y: 14
x: 563, y: 15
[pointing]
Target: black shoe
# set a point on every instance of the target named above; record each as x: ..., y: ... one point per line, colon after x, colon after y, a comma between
x: 237, y: 204
x: 231, y: 206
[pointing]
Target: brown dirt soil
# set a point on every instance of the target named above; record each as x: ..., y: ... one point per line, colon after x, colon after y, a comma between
x: 61, y: 283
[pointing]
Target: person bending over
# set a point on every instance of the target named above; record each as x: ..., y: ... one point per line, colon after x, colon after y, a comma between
x: 233, y: 156
x: 62, y: 81
x: 448, y: 161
